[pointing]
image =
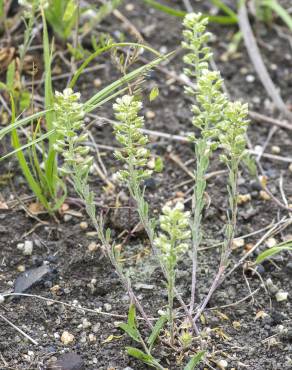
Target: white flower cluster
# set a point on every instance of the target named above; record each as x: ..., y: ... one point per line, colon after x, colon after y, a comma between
x: 128, y: 134
x: 175, y: 225
x: 68, y: 123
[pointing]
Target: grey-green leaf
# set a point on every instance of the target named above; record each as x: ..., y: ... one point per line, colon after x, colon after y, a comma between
x: 156, y: 330
x: 194, y: 361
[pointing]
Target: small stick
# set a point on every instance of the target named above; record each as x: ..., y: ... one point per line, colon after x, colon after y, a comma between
x: 265, y: 119
x: 19, y: 330
x: 257, y: 61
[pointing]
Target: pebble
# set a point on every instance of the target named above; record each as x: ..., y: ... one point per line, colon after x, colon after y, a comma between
x: 67, y: 338
x: 86, y: 324
x: 20, y: 268
x: 150, y: 114
x: 271, y: 242
x: 243, y: 198
x: 68, y: 361
x: 92, y: 338
x: 107, y: 307
x: 92, y: 247
x: 290, y: 167
x: 83, y: 225
x: 271, y: 286
x: 97, y: 82
x: 67, y: 218
x: 130, y: 7
x: 281, y: 296
x: 250, y: 78
x: 222, y: 364
x: 96, y: 327
x: 2, y: 299
x: 27, y: 248
x: 237, y: 243
x: 20, y: 246
x: 276, y: 149
x: 289, y: 267
x: 264, y: 195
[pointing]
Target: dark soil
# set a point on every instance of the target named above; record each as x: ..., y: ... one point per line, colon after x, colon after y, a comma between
x: 255, y: 333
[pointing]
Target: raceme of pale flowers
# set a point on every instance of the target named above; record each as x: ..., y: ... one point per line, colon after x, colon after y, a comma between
x: 68, y: 123
x: 233, y: 129
x: 174, y: 222
x: 128, y: 134
x: 195, y: 39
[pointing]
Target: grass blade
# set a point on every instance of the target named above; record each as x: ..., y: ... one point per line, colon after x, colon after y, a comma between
x: 103, y: 50
x: 194, y: 361
x: 281, y: 12
x: 274, y: 250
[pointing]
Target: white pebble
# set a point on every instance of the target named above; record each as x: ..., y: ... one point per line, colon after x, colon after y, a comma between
x: 2, y: 299
x: 20, y: 246
x: 28, y: 248
x: 281, y: 296
x: 222, y: 364
x: 107, y: 307
x: 250, y: 78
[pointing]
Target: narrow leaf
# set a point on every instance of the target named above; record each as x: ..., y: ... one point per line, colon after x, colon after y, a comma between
x: 156, y: 330
x: 194, y: 361
x: 274, y: 250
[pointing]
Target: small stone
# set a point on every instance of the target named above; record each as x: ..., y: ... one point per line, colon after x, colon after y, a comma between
x: 107, y: 307
x: 97, y: 82
x: 151, y: 163
x: 276, y: 149
x: 248, y: 247
x: 21, y: 268
x: 67, y: 338
x: 264, y: 195
x: 68, y: 361
x: 237, y: 243
x: 67, y: 218
x: 250, y: 78
x: 91, y: 338
x: 150, y: 114
x: 290, y: 167
x: 222, y: 364
x: 86, y: 324
x: 92, y: 247
x: 260, y: 269
x: 83, y: 225
x: 27, y: 248
x: 20, y: 246
x: 55, y: 289
x: 96, y: 327
x: 2, y: 299
x: 243, y: 198
x: 130, y: 7
x: 271, y: 242
x: 281, y: 296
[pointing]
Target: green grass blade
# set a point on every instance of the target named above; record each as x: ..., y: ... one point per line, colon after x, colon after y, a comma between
x: 180, y: 13
x: 90, y: 104
x: 194, y: 361
x: 220, y: 5
x: 7, y: 129
x: 274, y: 250
x: 103, y: 50
x: 280, y: 11
x: 23, y: 164
x: 20, y: 148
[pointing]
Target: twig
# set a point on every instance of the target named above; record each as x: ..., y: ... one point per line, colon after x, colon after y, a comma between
x: 19, y: 330
x: 265, y: 119
x: 256, y: 58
